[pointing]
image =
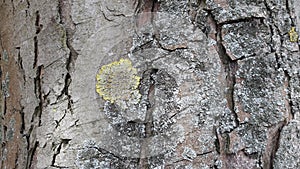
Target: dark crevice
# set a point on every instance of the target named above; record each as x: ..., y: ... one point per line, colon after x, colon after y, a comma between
x: 58, y: 121
x: 28, y: 3
x: 38, y: 92
x: 20, y: 64
x: 137, y: 6
x: 106, y: 18
x: 245, y: 19
x: 64, y: 10
x: 37, y: 22
x: 35, y: 119
x: 205, y: 153
x: 272, y: 40
x: 22, y: 121
x: 28, y: 6
x: 260, y: 164
x: 31, y: 154
x: 35, y: 39
x: 143, y: 46
x: 5, y: 106
x: 275, y: 145
x: 57, y: 152
x: 289, y: 11
x: 230, y: 68
x: 75, y: 123
x: 278, y: 53
x: 215, y: 166
x: 35, y: 52
x: 103, y: 151
x: 150, y: 103
x: 217, y: 142
x: 248, y: 19
x: 267, y: 159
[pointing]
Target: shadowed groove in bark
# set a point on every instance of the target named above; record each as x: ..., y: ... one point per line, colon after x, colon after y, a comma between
x: 35, y: 39
x: 147, y: 7
x: 268, y: 158
x: 36, y: 116
x: 64, y: 10
x: 278, y: 54
x: 31, y: 154
x: 57, y: 152
x: 229, y: 65
x: 272, y: 146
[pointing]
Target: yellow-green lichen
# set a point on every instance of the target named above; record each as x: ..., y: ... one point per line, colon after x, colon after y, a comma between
x: 293, y: 35
x: 118, y: 82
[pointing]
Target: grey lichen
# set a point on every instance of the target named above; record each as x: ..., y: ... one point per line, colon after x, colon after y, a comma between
x: 5, y: 55
x: 245, y: 39
x: 5, y: 86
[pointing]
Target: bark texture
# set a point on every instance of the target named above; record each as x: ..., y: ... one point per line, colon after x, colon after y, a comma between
x: 183, y: 84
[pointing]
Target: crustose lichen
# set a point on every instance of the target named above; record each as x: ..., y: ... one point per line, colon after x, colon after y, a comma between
x: 293, y: 35
x: 118, y: 83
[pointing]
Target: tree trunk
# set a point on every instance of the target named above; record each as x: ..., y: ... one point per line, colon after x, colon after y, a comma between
x: 150, y: 84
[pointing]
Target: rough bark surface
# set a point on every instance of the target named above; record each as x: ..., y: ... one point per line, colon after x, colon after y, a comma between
x: 218, y: 84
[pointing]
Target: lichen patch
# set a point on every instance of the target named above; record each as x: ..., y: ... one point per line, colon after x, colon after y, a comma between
x: 118, y: 82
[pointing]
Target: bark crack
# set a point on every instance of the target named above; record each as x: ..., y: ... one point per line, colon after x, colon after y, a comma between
x: 274, y: 142
x: 278, y: 54
x: 35, y: 119
x: 149, y: 126
x: 64, y: 10
x: 58, y: 121
x: 230, y: 67
x: 38, y: 28
x: 57, y: 152
x: 272, y: 146
x: 31, y: 154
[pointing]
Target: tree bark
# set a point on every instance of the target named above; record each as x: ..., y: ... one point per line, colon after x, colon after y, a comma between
x: 150, y: 84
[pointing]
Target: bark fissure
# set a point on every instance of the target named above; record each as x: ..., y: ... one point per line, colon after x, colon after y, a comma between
x: 35, y: 51
x: 38, y: 92
x: 272, y: 146
x: 268, y: 159
x: 230, y: 67
x: 20, y: 64
x: 64, y: 10
x: 149, y: 6
x: 22, y: 114
x: 31, y: 154
x: 35, y: 39
x: 278, y: 54
x: 57, y: 152
x: 58, y: 121
x: 35, y: 118
x: 205, y: 153
x: 149, y: 126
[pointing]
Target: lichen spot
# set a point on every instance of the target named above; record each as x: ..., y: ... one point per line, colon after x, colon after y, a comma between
x: 118, y: 82
x: 293, y: 35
